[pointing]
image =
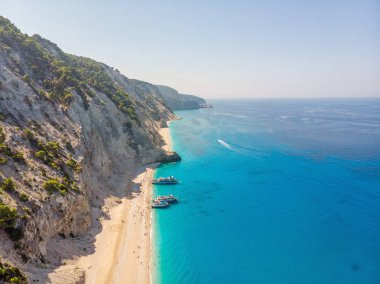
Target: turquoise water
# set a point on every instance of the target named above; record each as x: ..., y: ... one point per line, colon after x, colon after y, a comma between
x: 273, y: 191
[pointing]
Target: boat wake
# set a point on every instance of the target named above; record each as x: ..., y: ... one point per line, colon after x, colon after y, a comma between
x: 225, y: 144
x: 242, y: 147
x: 239, y: 149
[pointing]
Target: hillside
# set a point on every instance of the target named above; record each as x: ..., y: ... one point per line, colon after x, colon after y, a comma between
x: 72, y: 131
x: 177, y: 101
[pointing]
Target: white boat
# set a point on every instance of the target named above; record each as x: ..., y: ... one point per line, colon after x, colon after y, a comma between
x: 160, y: 204
x: 167, y: 198
x: 163, y: 180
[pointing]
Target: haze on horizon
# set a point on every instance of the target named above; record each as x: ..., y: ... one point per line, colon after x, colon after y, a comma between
x: 221, y: 49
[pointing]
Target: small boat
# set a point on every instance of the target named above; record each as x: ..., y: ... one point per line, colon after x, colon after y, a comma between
x: 163, y: 180
x: 205, y: 106
x: 160, y: 204
x: 166, y: 198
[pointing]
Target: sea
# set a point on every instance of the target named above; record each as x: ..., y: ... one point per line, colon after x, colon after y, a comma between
x: 272, y: 191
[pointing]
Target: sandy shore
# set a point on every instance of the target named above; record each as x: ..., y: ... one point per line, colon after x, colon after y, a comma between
x: 165, y: 133
x: 125, y: 240
x: 122, y: 249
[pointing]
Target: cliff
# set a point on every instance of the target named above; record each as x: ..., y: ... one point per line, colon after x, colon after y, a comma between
x: 72, y: 130
x: 177, y: 101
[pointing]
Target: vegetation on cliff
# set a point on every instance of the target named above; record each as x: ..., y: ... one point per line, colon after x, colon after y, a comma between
x: 58, y: 77
x: 11, y: 274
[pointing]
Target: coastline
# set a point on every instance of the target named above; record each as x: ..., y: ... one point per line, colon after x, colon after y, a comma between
x: 130, y: 225
x: 168, y: 147
x: 123, y: 247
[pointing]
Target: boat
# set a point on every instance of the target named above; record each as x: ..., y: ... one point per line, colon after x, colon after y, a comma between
x: 160, y: 204
x: 163, y: 180
x: 205, y: 106
x: 166, y: 198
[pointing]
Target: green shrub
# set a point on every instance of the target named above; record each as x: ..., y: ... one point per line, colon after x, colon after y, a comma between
x: 49, y: 153
x: 27, y: 210
x: 51, y: 95
x: 63, y: 188
x: 68, y: 98
x: 23, y: 197
x: 8, y: 185
x: 54, y: 166
x: 42, y: 155
x: 41, y: 145
x: 26, y: 79
x: 71, y: 163
x: 3, y: 161
x: 8, y: 216
x: 74, y: 186
x: 2, y: 135
x: 11, y: 274
x: 18, y: 157
x: 53, y: 185
x: 4, y: 149
x: 53, y: 146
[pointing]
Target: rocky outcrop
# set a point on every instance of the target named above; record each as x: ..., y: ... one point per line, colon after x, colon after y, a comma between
x: 71, y: 128
x: 170, y: 157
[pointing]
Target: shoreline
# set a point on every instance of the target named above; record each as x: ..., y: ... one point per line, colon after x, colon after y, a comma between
x: 124, y: 246
x: 168, y: 147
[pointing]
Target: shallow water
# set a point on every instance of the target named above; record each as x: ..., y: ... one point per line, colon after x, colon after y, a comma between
x: 273, y: 191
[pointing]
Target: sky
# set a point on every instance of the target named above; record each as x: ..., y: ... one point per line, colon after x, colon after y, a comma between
x: 220, y: 48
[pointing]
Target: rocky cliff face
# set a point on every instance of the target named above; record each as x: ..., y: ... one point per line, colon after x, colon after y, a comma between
x: 70, y: 127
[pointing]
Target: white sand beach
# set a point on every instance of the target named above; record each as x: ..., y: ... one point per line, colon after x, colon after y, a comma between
x: 122, y: 249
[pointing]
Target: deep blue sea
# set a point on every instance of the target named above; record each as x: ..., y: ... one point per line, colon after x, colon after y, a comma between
x: 273, y: 191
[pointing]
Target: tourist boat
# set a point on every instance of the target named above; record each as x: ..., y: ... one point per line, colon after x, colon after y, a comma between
x: 166, y: 198
x: 205, y: 106
x: 163, y: 180
x: 160, y: 204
